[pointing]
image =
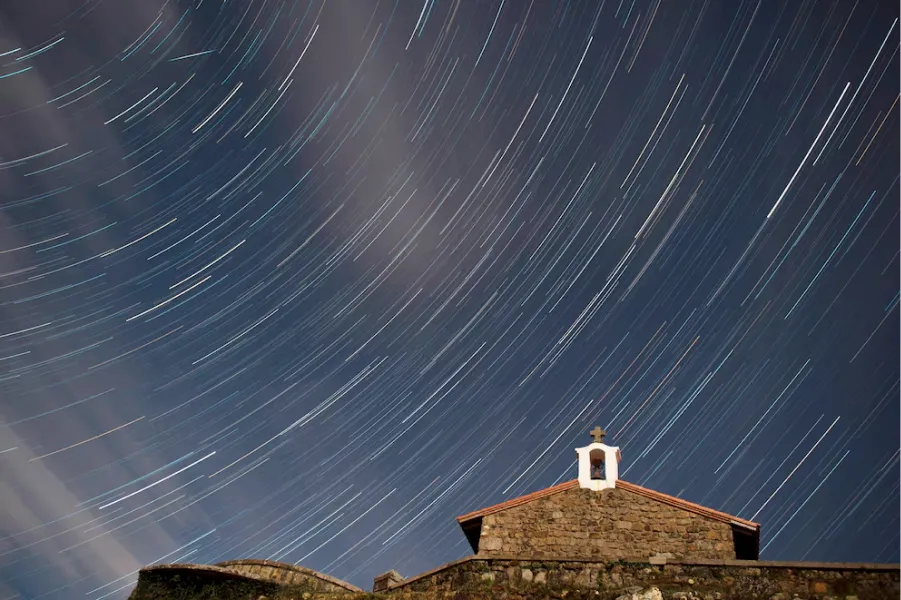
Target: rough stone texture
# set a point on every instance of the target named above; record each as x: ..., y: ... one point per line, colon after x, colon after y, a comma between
x: 199, y: 582
x: 648, y: 594
x: 385, y: 580
x: 609, y: 524
x: 546, y: 579
x: 707, y: 580
x: 269, y: 570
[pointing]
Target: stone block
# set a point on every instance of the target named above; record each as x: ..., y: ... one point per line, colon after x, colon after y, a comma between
x: 386, y: 580
x: 649, y: 594
x: 491, y: 543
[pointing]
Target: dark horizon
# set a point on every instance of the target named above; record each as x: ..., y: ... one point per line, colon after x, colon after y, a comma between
x: 304, y: 281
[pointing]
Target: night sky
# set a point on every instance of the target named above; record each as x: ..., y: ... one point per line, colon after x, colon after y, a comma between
x: 304, y: 280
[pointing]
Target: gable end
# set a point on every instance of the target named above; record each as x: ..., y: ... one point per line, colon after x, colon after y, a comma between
x: 735, y: 537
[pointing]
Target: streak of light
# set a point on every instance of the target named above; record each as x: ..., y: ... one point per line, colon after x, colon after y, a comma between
x: 147, y: 487
x: 114, y: 429
x: 809, y: 150
x: 784, y: 481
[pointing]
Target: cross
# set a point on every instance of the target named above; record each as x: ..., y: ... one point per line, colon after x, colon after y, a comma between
x: 598, y: 434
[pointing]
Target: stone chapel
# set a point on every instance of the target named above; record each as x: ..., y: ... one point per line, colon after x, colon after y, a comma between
x: 596, y: 532
x: 598, y: 516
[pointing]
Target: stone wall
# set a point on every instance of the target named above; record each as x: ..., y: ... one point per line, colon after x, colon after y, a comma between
x: 269, y: 570
x: 611, y: 524
x: 477, y: 578
x: 198, y: 582
x: 706, y: 580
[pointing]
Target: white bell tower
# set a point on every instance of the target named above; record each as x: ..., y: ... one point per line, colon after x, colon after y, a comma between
x: 598, y: 463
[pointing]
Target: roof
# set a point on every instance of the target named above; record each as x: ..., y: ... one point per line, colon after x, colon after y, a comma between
x: 620, y: 484
x: 482, y: 512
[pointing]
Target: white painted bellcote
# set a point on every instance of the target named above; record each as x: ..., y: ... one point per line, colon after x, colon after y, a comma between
x: 598, y: 463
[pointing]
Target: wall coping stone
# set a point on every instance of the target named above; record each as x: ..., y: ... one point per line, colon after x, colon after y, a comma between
x: 289, y: 567
x: 758, y: 564
x: 431, y: 572
x: 385, y: 580
x: 217, y: 572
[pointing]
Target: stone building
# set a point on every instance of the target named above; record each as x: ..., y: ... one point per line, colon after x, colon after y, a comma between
x: 596, y: 537
x: 601, y: 517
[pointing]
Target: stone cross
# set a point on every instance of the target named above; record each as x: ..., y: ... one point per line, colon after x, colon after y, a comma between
x: 598, y: 434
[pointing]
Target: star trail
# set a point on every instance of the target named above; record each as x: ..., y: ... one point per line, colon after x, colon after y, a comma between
x: 303, y: 280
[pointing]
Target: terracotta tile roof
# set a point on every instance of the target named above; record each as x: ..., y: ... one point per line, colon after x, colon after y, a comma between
x: 686, y: 505
x: 556, y: 489
x: 623, y: 485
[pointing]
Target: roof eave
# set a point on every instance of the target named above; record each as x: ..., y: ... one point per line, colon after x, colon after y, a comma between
x: 518, y: 501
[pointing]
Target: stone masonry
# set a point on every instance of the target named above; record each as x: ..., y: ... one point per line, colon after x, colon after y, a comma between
x: 277, y: 572
x: 606, y: 525
x: 511, y: 578
x: 704, y: 580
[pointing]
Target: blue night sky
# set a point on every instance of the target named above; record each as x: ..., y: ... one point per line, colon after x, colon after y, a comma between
x: 303, y: 280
